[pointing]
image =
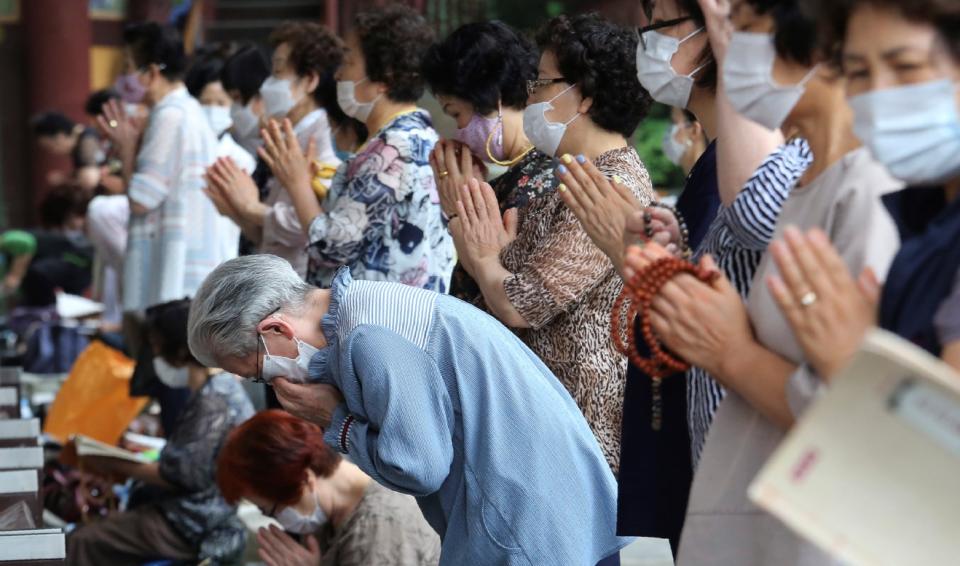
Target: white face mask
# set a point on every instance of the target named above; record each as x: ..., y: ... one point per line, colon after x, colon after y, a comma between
x: 655, y: 72
x: 673, y: 149
x: 913, y: 130
x: 219, y: 118
x: 541, y: 132
x: 293, y: 522
x: 748, y: 80
x: 170, y: 376
x: 132, y: 110
x: 347, y: 99
x: 277, y: 97
x: 296, y: 370
x: 246, y: 125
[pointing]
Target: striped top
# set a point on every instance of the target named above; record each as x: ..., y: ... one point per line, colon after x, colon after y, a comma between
x: 174, y: 246
x: 737, y: 240
x: 442, y: 402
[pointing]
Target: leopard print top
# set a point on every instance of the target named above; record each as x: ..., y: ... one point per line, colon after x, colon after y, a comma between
x: 564, y: 287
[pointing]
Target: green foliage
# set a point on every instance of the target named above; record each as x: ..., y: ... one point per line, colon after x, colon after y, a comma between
x: 527, y: 15
x: 648, y: 139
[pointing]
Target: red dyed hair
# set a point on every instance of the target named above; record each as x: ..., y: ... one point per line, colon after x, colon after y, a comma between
x: 269, y: 455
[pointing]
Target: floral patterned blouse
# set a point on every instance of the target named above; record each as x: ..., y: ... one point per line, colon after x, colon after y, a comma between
x: 564, y: 287
x: 528, y: 179
x: 382, y: 216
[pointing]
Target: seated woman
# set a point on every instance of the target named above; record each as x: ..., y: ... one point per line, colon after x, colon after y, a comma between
x: 304, y: 56
x: 536, y: 268
x: 63, y: 257
x: 192, y: 522
x: 381, y: 216
x: 428, y: 396
x: 281, y: 464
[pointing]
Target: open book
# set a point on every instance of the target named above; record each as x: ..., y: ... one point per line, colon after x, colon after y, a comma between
x: 871, y: 472
x: 87, y: 446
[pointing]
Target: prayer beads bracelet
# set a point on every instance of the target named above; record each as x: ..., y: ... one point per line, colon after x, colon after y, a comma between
x: 684, y: 244
x: 635, y: 303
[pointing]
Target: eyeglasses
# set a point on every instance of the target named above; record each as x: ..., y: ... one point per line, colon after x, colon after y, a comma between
x: 534, y: 85
x: 259, y: 378
x: 660, y: 25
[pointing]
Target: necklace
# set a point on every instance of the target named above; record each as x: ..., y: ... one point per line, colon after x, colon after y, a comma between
x: 509, y: 162
x: 634, y: 303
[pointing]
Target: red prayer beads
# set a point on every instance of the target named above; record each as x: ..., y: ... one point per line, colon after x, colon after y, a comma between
x: 641, y: 290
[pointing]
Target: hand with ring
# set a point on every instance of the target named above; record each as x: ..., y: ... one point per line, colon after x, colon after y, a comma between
x: 827, y: 309
x: 122, y: 130
x: 453, y: 168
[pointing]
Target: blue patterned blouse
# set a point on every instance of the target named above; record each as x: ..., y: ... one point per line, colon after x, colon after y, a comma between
x: 382, y: 215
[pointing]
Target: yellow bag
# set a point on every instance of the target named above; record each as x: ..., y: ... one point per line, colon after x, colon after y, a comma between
x: 95, y: 399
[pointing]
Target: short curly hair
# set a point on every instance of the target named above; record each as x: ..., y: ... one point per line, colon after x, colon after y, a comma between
x: 482, y: 63
x: 393, y: 41
x: 314, y: 49
x: 600, y: 57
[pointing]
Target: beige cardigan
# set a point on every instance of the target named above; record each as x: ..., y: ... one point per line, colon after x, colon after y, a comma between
x: 723, y: 528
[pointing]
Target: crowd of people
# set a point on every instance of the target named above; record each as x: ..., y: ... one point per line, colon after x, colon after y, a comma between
x: 439, y: 319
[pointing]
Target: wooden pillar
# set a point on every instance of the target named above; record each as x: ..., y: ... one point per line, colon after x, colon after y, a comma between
x: 332, y: 16
x: 57, y: 39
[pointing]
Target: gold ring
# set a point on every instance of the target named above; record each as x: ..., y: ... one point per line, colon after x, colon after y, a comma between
x: 808, y: 299
x: 114, y: 123
x: 444, y: 174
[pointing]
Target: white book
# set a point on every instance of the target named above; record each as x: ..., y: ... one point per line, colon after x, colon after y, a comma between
x: 21, y: 458
x: 871, y: 472
x: 74, y: 306
x: 154, y: 442
x: 19, y: 428
x: 19, y: 481
x: 87, y: 446
x: 8, y: 396
x: 39, y: 544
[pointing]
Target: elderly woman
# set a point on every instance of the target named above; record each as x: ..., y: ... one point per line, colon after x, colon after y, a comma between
x: 536, y: 268
x: 304, y: 57
x: 281, y: 464
x: 381, y: 216
x: 190, y: 521
x: 428, y: 396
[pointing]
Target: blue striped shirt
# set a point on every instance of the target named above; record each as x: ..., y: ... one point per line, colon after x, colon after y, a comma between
x: 443, y: 402
x: 737, y: 240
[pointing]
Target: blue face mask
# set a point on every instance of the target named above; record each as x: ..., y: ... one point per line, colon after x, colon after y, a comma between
x: 341, y: 154
x: 913, y: 130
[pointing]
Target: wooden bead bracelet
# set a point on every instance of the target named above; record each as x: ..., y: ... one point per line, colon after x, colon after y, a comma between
x: 635, y: 302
